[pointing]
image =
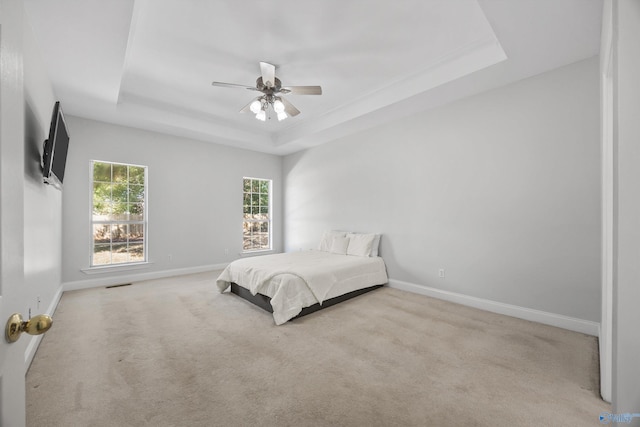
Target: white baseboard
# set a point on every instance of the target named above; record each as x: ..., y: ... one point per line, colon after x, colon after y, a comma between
x: 129, y: 278
x: 571, y: 323
x: 32, y: 347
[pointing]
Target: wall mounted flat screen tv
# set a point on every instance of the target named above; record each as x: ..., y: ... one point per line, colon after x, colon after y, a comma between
x: 54, y: 157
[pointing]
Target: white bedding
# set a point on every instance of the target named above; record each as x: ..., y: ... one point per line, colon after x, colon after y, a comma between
x: 301, y: 279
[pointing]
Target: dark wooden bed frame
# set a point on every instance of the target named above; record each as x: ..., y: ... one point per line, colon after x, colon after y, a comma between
x: 264, y: 301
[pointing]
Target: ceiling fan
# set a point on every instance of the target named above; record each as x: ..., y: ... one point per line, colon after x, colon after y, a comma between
x: 272, y: 89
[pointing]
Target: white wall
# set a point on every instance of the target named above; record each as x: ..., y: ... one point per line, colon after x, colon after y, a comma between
x: 195, y: 199
x: 626, y: 285
x: 42, y: 203
x: 500, y: 189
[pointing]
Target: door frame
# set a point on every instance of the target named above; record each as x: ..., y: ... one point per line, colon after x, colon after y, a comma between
x: 607, y: 192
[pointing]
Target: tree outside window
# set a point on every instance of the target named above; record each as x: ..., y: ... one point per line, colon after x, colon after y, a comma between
x: 256, y: 226
x: 119, y: 217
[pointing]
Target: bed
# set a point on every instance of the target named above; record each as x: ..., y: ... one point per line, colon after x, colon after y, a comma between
x: 298, y: 283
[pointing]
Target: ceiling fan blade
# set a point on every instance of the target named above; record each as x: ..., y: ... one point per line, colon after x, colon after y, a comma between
x: 289, y: 108
x: 220, y: 84
x: 268, y: 72
x: 302, y: 90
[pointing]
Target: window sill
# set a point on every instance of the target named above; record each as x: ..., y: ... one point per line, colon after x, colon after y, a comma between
x: 257, y: 253
x: 116, y: 268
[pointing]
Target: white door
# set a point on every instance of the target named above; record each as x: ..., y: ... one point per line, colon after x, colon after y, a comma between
x: 12, y: 363
x: 12, y: 299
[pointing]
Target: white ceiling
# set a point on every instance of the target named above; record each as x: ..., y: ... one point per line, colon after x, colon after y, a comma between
x: 150, y: 63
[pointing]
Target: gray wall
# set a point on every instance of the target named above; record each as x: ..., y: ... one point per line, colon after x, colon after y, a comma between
x: 195, y: 197
x: 626, y: 285
x: 500, y: 189
x: 42, y: 203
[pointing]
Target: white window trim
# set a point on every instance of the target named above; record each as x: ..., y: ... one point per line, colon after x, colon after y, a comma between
x: 261, y: 251
x: 100, y: 268
x: 256, y: 252
x: 111, y: 268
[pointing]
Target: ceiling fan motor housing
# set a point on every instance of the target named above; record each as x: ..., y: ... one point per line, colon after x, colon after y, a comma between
x: 263, y: 88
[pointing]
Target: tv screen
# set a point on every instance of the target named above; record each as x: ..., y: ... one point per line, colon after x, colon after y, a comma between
x: 54, y: 158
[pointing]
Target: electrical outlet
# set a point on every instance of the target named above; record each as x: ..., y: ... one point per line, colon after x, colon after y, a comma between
x: 226, y: 251
x: 441, y: 273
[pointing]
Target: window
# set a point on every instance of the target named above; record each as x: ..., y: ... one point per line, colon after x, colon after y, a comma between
x: 118, y: 213
x: 256, y: 227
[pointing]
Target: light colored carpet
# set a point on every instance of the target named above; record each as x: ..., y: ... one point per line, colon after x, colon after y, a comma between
x: 175, y: 352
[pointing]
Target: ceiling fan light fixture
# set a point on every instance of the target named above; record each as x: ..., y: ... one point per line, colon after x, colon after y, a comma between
x: 271, y: 87
x: 278, y: 106
x: 255, y: 106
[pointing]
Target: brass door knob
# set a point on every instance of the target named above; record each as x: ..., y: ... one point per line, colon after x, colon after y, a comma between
x: 35, y: 326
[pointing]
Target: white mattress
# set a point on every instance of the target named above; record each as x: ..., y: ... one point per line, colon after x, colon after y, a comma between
x: 301, y: 279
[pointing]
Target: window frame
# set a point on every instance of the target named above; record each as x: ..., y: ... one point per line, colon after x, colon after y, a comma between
x: 269, y: 213
x: 144, y: 221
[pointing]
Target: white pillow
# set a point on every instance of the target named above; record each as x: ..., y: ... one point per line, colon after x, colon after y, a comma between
x: 360, y: 244
x: 339, y: 245
x: 374, y: 246
x: 327, y: 239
